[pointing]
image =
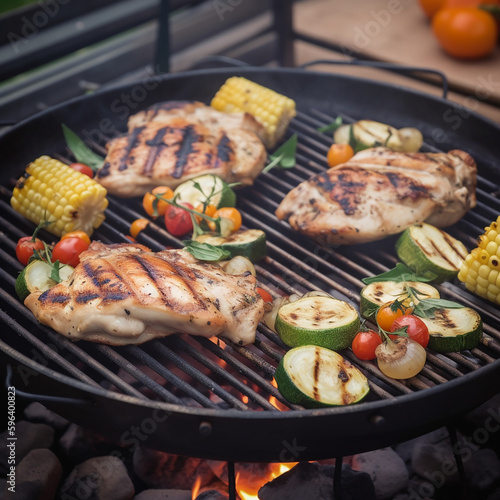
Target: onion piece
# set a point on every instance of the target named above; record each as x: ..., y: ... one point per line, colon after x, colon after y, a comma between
x: 401, y: 358
x: 270, y: 315
x: 239, y: 265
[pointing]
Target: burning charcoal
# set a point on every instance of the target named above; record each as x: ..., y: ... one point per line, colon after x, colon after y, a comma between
x: 37, y: 476
x: 250, y: 476
x: 405, y: 449
x: 305, y: 480
x: 30, y: 436
x: 212, y: 495
x: 354, y: 484
x: 100, y: 478
x: 36, y: 412
x: 163, y: 495
x: 386, y: 468
x: 165, y: 470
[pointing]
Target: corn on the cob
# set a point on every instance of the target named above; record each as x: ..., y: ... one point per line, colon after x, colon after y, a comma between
x: 54, y: 192
x: 272, y: 110
x: 480, y: 271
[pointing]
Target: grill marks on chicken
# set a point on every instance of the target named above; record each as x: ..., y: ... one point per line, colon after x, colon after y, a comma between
x: 172, y: 142
x: 380, y: 192
x: 126, y: 294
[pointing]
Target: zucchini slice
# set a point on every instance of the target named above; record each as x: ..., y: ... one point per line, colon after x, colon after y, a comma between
x: 207, y: 186
x: 453, y: 330
x: 378, y: 293
x: 315, y: 377
x: 36, y: 277
x: 318, y: 320
x: 430, y: 252
x: 250, y: 243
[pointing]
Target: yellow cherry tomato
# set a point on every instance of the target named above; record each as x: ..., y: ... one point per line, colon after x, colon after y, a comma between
x: 388, y: 313
x: 77, y: 234
x: 231, y: 214
x: 207, y: 210
x: 148, y: 202
x: 339, y: 153
x: 137, y: 226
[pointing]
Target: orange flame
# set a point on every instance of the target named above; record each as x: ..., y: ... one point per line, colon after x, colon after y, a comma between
x: 247, y: 492
x: 196, y: 488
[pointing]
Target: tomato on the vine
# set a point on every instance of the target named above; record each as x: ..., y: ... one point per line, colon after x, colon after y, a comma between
x: 365, y: 343
x: 177, y: 220
x: 149, y: 201
x: 339, y: 153
x: 82, y: 168
x: 68, y: 250
x: 26, y: 247
x: 266, y: 296
x: 415, y: 328
x: 231, y: 214
x: 77, y: 234
x: 388, y: 313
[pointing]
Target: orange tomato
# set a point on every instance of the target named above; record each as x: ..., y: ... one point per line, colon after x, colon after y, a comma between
x: 209, y: 210
x: 465, y: 32
x: 430, y: 7
x: 229, y: 213
x: 77, y: 234
x: 469, y: 3
x: 137, y: 226
x: 339, y: 153
x: 162, y: 205
x: 388, y: 313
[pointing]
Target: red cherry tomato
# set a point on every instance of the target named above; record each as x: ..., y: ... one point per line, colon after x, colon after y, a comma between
x: 25, y: 248
x: 415, y: 328
x: 84, y: 169
x: 177, y: 220
x: 365, y: 343
x: 266, y: 296
x: 68, y: 250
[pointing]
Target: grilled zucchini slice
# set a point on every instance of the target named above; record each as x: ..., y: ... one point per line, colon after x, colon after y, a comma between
x: 318, y: 320
x: 430, y: 252
x: 453, y: 330
x: 205, y: 188
x: 316, y: 377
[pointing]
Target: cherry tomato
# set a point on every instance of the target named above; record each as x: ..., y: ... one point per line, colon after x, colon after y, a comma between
x: 25, y: 248
x: 365, y: 343
x: 266, y: 296
x: 178, y: 221
x: 68, y: 250
x: 388, y: 313
x: 339, y: 153
x: 77, y: 234
x: 469, y: 3
x: 231, y: 214
x: 415, y: 328
x: 430, y: 7
x: 465, y: 32
x: 208, y: 210
x: 137, y: 226
x: 161, y: 205
x: 84, y: 169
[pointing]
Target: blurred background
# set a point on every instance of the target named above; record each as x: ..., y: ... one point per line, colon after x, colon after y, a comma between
x: 53, y: 50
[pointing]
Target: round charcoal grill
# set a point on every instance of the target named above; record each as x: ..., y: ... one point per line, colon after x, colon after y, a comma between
x: 205, y: 397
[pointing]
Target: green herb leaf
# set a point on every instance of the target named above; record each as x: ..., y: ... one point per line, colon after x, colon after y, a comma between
x: 54, y: 273
x: 399, y: 273
x: 331, y: 127
x: 427, y: 307
x: 284, y: 156
x: 81, y: 151
x: 205, y: 251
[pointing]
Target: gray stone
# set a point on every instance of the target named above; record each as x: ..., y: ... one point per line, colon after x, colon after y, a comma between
x: 435, y: 463
x: 305, y: 480
x: 405, y: 449
x: 37, y: 477
x: 483, y: 469
x: 166, y: 471
x: 163, y: 495
x: 386, y: 468
x: 100, y: 478
x: 29, y: 436
x: 36, y: 412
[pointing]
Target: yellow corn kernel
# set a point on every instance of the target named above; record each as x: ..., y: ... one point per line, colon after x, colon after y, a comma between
x: 480, y: 271
x: 272, y: 110
x: 54, y: 192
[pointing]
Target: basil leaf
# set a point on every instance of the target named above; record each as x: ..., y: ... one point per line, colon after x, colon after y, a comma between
x: 331, y: 127
x: 399, y: 273
x: 54, y: 273
x: 284, y: 156
x: 205, y: 251
x: 81, y: 151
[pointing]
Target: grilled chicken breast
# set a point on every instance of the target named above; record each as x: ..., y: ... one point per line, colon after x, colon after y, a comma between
x: 171, y: 143
x: 126, y: 294
x: 380, y: 192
